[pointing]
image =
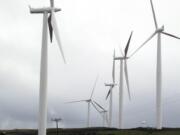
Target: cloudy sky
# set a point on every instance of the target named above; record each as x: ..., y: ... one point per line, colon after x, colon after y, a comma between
x: 90, y: 30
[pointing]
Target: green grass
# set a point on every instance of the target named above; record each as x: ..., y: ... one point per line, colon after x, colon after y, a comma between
x: 95, y: 131
x: 140, y: 131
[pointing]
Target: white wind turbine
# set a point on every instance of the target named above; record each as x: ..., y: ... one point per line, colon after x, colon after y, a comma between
x: 110, y: 92
x: 89, y: 103
x: 103, y: 112
x: 123, y: 64
x: 51, y: 22
x: 158, y: 31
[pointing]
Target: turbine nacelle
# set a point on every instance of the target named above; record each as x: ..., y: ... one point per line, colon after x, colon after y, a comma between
x: 56, y: 119
x: 89, y: 100
x: 110, y: 84
x: 121, y: 58
x: 104, y: 111
x: 160, y: 30
x: 43, y: 10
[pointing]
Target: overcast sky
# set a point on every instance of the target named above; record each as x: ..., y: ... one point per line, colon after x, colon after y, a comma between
x: 89, y: 30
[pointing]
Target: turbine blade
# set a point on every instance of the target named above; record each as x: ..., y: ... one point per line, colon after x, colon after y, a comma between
x: 56, y: 33
x: 143, y: 44
x: 127, y: 46
x: 154, y: 15
x: 126, y: 78
x: 52, y: 3
x: 99, y: 105
x: 94, y: 86
x: 50, y: 27
x: 170, y: 35
x: 108, y: 93
x: 76, y: 101
x: 113, y: 68
x: 95, y: 107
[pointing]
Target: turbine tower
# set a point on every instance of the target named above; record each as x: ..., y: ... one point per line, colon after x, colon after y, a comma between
x: 158, y: 31
x: 89, y: 103
x: 51, y: 23
x: 123, y: 64
x: 110, y: 92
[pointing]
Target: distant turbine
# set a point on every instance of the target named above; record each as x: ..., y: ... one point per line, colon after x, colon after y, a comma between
x: 103, y: 112
x: 51, y: 22
x: 89, y: 102
x: 123, y: 63
x: 57, y: 120
x: 110, y: 92
x: 158, y: 32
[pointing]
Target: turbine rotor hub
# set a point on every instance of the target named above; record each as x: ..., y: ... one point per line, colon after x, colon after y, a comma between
x: 159, y: 30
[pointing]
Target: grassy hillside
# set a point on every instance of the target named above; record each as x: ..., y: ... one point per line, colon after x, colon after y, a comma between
x: 95, y: 131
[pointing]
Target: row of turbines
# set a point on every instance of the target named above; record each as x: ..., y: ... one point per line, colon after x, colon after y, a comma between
x: 49, y: 21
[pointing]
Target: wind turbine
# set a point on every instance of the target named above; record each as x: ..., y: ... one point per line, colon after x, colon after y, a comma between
x: 158, y: 31
x: 103, y: 112
x: 123, y: 64
x: 89, y: 103
x: 110, y: 93
x: 57, y: 120
x: 51, y: 23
